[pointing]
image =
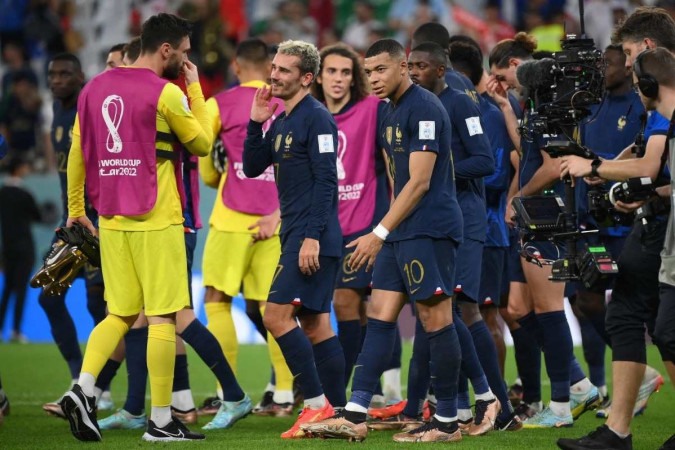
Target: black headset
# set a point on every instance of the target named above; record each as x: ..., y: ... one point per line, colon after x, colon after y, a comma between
x: 646, y: 82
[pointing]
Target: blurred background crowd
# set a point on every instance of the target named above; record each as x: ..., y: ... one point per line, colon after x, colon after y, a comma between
x: 33, y: 30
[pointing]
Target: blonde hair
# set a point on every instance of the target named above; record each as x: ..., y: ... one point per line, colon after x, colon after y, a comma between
x: 306, y: 52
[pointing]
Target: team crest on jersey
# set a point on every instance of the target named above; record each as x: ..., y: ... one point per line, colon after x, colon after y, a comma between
x: 58, y: 134
x: 288, y: 141
x: 621, y: 123
x: 389, y: 134
x: 399, y: 135
x: 277, y: 143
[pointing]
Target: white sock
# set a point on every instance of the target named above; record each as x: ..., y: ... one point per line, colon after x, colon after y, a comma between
x: 2, y: 395
x: 650, y: 373
x: 354, y: 407
x: 445, y: 419
x: 316, y: 402
x: 603, y: 390
x: 283, y: 397
x: 182, y: 400
x: 518, y: 381
x: 464, y: 414
x: 431, y: 398
x: 219, y: 393
x: 270, y: 388
x: 161, y: 415
x: 377, y: 400
x: 87, y: 382
x: 97, y: 393
x: 621, y: 435
x: 537, y: 406
x: 392, y: 385
x: 581, y: 387
x: 486, y: 397
x: 560, y: 409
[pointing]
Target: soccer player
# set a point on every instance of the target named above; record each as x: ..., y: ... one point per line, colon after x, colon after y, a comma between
x: 636, y: 287
x: 473, y: 160
x: 65, y: 78
x: 243, y: 247
x: 415, y: 244
x: 115, y: 56
x: 134, y: 189
x: 301, y: 145
x: 467, y: 58
x: 571, y: 392
x: 362, y: 193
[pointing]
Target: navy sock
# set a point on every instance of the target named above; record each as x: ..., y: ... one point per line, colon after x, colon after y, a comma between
x: 373, y: 360
x: 208, y: 349
x: 418, y: 372
x: 378, y: 388
x: 463, y: 398
x: 330, y: 365
x: 558, y: 349
x: 181, y: 377
x: 528, y: 357
x: 136, y: 342
x: 299, y: 356
x: 487, y: 354
x: 446, y: 360
x: 395, y: 361
x: 597, y: 319
x: 255, y: 316
x: 471, y: 367
x: 107, y: 374
x: 273, y: 377
x: 63, y: 331
x: 349, y: 333
x: 576, y: 373
x: 594, y: 353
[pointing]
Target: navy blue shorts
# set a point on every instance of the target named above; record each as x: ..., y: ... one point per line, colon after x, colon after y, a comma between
x: 312, y: 293
x: 494, y: 275
x: 419, y: 268
x: 352, y: 279
x: 468, y: 271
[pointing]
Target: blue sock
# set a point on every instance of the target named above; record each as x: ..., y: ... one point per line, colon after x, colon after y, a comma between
x: 208, y: 349
x: 471, y: 367
x: 418, y: 372
x: 298, y: 353
x: 378, y: 388
x: 487, y: 354
x: 63, y: 331
x: 181, y: 377
x: 107, y: 374
x: 136, y: 343
x: 330, y: 365
x: 594, y: 353
x: 273, y: 378
x: 395, y: 361
x: 463, y: 398
x: 446, y: 361
x: 528, y: 357
x: 558, y: 350
x: 373, y: 360
x: 598, y: 321
x: 349, y: 333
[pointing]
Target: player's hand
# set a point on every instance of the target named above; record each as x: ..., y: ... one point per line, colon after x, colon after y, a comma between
x: 190, y: 71
x: 575, y: 166
x: 308, y: 259
x: 266, y: 226
x: 367, y: 248
x: 84, y: 221
x: 496, y: 90
x: 262, y: 109
x: 627, y: 207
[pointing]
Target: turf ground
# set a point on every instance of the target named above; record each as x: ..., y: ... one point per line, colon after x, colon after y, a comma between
x: 34, y: 374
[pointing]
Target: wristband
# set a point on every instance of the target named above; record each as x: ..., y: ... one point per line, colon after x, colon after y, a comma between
x: 381, y: 232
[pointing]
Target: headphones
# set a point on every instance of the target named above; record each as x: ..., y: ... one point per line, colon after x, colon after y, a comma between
x: 647, y: 84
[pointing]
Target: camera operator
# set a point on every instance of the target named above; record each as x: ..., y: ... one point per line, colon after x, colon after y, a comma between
x: 635, y: 297
x: 613, y: 125
x: 545, y: 316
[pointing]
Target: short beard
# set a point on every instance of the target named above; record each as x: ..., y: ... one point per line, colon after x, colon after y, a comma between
x: 171, y: 72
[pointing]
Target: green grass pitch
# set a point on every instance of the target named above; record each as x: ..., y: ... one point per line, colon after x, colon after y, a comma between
x: 34, y: 374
